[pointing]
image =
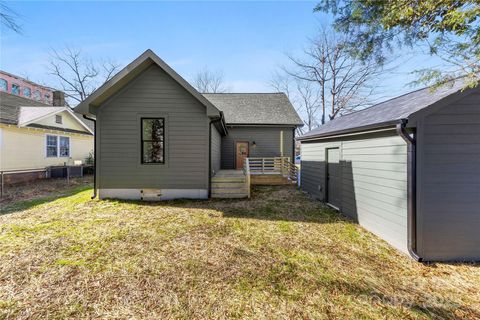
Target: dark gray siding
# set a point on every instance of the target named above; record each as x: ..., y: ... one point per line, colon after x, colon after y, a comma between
x: 448, y: 196
x: 373, y: 178
x: 153, y: 94
x: 267, y: 140
x: 216, y: 150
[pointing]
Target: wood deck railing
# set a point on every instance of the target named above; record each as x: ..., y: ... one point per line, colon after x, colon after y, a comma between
x: 246, y: 170
x: 273, y: 165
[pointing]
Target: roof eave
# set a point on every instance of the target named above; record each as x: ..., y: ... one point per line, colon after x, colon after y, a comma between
x: 366, y: 129
x: 246, y: 124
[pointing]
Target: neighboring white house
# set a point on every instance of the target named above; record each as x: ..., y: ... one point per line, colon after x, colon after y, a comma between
x: 34, y: 136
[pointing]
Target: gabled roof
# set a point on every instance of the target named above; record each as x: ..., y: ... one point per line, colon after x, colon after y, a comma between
x: 255, y: 108
x: 386, y: 113
x: 29, y: 114
x: 125, y: 75
x: 24, y: 112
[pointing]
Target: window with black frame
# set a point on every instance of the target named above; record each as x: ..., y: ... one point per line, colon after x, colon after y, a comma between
x: 153, y: 140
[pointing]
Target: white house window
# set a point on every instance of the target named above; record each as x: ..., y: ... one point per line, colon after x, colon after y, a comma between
x: 15, y: 89
x: 64, y: 146
x: 3, y: 84
x: 58, y: 146
x: 58, y: 119
x: 52, y: 146
x: 36, y: 95
x: 153, y: 140
x: 27, y: 92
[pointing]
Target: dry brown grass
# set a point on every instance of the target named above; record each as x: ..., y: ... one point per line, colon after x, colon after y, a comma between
x: 41, y: 188
x: 278, y: 255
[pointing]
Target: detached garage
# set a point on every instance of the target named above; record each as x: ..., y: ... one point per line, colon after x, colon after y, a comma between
x: 407, y: 169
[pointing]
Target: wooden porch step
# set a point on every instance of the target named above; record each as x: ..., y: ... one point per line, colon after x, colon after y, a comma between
x: 228, y: 180
x: 229, y: 184
x: 229, y: 195
x: 229, y: 190
x: 236, y: 184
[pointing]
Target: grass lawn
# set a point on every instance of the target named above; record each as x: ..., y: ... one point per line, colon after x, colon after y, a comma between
x: 278, y: 255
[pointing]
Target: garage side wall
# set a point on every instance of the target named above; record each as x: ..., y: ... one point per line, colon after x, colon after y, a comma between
x: 373, y: 179
x: 448, y: 198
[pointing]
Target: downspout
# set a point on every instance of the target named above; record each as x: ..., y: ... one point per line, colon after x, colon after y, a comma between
x: 210, y: 153
x: 94, y: 156
x: 294, y: 147
x: 412, y: 189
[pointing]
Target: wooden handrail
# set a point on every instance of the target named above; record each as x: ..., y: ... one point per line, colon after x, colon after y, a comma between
x: 246, y: 170
x: 280, y: 165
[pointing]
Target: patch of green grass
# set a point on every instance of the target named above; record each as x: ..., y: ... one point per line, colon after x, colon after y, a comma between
x: 28, y: 204
x: 276, y: 255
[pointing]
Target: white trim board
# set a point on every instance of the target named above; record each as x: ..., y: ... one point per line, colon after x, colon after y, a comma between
x: 164, y: 194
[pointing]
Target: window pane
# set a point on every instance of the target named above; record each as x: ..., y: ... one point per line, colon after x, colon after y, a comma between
x: 153, y: 152
x: 153, y: 140
x: 52, y: 140
x: 36, y: 95
x: 15, y: 89
x: 64, y: 146
x: 27, y: 92
x: 51, y: 146
x: 3, y: 84
x: 51, y: 151
x: 153, y: 129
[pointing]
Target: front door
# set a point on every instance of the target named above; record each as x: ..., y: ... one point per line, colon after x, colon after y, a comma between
x: 241, y: 152
x: 333, y: 177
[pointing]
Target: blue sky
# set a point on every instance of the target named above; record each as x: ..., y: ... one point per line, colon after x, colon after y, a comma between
x: 246, y: 41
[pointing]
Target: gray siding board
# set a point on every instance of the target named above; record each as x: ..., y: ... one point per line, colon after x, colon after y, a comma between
x: 267, y: 140
x: 449, y: 182
x: 153, y: 94
x: 374, y: 181
x: 216, y: 150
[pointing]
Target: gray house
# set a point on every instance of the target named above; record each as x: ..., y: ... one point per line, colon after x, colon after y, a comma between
x: 407, y: 169
x: 158, y: 138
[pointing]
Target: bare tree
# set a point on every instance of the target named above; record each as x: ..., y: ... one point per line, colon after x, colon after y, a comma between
x: 206, y: 81
x: 9, y: 18
x: 79, y: 76
x: 342, y: 81
x: 303, y: 95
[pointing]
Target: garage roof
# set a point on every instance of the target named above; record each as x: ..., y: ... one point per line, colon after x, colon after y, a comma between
x: 385, y: 113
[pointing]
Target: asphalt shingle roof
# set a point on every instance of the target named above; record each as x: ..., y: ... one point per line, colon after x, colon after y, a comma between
x: 255, y: 108
x: 10, y: 107
x: 388, y: 111
x: 15, y: 110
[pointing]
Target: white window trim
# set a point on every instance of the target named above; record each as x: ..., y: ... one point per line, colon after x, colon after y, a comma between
x: 58, y: 146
